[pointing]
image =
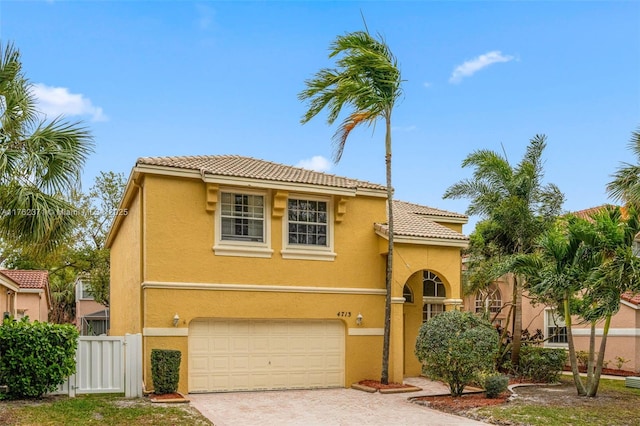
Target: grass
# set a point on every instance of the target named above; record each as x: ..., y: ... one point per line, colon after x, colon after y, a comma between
x: 615, y: 405
x: 97, y: 410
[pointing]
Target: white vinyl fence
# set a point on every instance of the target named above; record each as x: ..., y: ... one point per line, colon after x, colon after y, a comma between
x: 107, y: 364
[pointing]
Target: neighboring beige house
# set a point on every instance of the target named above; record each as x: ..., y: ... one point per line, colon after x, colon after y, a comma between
x: 25, y: 293
x: 267, y: 276
x: 624, y: 334
x: 92, y: 318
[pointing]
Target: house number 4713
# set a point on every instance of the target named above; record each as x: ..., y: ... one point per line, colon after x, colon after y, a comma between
x: 344, y: 314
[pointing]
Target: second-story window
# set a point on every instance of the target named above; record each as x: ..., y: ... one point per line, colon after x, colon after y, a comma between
x: 242, y: 217
x: 308, y: 222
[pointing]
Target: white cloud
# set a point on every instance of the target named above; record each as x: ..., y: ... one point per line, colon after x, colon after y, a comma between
x: 426, y: 84
x: 317, y: 163
x: 476, y: 64
x: 55, y: 101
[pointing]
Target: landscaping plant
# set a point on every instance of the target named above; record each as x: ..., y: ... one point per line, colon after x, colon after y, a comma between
x: 542, y: 365
x: 165, y: 370
x: 495, y: 384
x: 456, y: 347
x: 35, y: 357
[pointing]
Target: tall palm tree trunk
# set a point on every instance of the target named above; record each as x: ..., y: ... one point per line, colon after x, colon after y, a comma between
x: 517, y: 321
x: 389, y: 273
x: 592, y: 390
x: 573, y: 359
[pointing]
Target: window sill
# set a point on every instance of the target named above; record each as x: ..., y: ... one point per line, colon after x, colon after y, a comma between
x: 556, y: 345
x: 241, y: 251
x: 302, y: 254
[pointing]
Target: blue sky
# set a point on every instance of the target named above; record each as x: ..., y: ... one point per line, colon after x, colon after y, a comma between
x: 159, y: 78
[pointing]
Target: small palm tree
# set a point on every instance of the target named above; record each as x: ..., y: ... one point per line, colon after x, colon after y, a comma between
x: 40, y: 162
x: 367, y: 79
x: 625, y: 185
x: 557, y: 271
x: 517, y: 206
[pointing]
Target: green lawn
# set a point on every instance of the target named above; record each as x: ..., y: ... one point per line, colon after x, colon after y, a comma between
x: 615, y: 405
x: 97, y: 410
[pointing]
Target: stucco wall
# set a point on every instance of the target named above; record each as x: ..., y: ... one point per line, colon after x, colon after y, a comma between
x: 126, y: 273
x: 180, y: 236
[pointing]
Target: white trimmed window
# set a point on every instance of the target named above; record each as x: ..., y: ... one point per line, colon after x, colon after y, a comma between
x: 242, y: 217
x: 433, y: 295
x: 489, y: 300
x: 308, y: 229
x: 430, y: 310
x: 308, y: 222
x: 555, y: 329
x: 242, y: 224
x: 407, y: 294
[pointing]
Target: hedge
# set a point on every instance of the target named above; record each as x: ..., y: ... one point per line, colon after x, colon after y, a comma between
x: 165, y: 370
x: 35, y: 357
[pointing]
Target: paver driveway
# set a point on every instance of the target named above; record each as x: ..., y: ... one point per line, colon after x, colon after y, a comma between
x: 323, y: 407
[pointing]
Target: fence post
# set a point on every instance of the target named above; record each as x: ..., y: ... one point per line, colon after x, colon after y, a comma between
x: 133, y: 365
x: 71, y: 383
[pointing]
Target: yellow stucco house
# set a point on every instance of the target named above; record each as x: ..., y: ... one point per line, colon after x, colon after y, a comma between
x: 267, y: 276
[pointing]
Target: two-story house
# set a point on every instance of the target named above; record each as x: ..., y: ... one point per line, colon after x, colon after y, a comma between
x: 268, y: 276
x: 92, y: 318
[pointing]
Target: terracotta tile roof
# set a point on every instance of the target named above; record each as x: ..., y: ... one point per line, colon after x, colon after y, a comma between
x: 413, y: 220
x: 586, y: 213
x: 247, y: 167
x: 631, y: 297
x: 27, y: 279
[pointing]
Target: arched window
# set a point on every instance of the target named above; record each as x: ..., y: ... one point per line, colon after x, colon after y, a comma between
x: 489, y: 299
x: 432, y: 285
x: 407, y: 294
x: 433, y: 295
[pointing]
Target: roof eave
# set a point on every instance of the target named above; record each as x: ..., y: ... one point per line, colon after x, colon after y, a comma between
x: 428, y: 241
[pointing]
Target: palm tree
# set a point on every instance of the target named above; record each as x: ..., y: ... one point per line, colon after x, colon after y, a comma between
x: 40, y: 162
x: 556, y: 272
x: 625, y: 185
x: 367, y: 79
x: 516, y: 204
x: 612, y: 240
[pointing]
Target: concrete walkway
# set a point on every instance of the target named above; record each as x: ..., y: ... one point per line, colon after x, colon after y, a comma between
x: 325, y: 407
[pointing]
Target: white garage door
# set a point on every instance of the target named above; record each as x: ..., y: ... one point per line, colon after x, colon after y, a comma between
x: 237, y: 355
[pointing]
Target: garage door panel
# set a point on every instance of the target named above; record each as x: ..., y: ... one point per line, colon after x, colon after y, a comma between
x: 235, y: 355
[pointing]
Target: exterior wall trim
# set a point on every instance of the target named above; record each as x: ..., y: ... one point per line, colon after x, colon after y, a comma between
x: 366, y: 332
x: 448, y: 242
x: 629, y: 304
x: 261, y: 288
x: 165, y: 331
x: 613, y: 332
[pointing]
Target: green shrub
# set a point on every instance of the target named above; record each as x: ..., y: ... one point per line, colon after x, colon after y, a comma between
x: 542, y: 365
x: 456, y: 347
x: 35, y: 357
x: 495, y: 384
x: 165, y: 370
x: 583, y: 358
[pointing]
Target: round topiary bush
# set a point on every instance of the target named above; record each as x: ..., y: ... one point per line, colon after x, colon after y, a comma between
x: 455, y: 347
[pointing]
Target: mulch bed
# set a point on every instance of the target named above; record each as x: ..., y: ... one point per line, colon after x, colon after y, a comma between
x: 464, y: 402
x: 168, y: 397
x: 377, y: 385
